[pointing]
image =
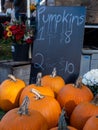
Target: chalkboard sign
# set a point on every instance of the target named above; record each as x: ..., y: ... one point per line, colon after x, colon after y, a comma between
x: 58, y: 42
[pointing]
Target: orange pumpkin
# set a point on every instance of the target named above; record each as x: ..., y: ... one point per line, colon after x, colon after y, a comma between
x: 62, y: 124
x: 47, y: 106
x: 10, y: 90
x: 83, y: 112
x: 91, y: 123
x: 42, y: 89
x: 53, y: 81
x: 73, y: 94
x: 68, y: 128
x: 23, y: 119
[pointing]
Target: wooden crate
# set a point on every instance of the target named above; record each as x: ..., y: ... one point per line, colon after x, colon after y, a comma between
x: 18, y: 69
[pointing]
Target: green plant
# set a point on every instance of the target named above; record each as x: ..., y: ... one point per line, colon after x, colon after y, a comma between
x: 5, y: 50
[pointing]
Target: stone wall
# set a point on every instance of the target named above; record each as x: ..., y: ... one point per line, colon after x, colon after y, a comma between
x: 91, y: 6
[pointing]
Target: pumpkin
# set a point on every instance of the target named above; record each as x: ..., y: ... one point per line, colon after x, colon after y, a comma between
x: 53, y: 81
x: 42, y: 89
x: 83, y: 112
x: 62, y: 124
x: 68, y: 128
x: 10, y: 90
x: 47, y: 106
x: 73, y: 94
x: 23, y: 119
x: 91, y: 123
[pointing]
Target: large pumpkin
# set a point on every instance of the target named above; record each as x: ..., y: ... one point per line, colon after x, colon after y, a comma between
x: 23, y: 119
x: 83, y: 112
x: 91, y: 123
x: 47, y: 106
x: 73, y: 94
x: 10, y: 90
x: 53, y: 81
x: 42, y: 89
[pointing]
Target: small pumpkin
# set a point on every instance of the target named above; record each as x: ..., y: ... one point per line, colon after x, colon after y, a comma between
x: 10, y: 90
x: 73, y: 94
x: 53, y: 81
x: 83, y: 112
x: 42, y: 89
x: 23, y: 119
x: 91, y: 123
x: 47, y: 106
x: 62, y: 124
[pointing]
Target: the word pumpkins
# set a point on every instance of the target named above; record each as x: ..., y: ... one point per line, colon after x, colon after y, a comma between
x: 73, y: 94
x: 23, y: 119
x: 10, y: 90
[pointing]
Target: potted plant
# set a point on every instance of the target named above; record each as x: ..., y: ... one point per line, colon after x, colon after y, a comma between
x: 21, y: 36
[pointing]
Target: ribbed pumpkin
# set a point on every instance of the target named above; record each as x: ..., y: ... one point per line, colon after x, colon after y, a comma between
x: 23, y: 119
x: 53, y: 81
x: 10, y: 90
x: 83, y: 112
x: 42, y: 89
x: 62, y: 124
x: 91, y: 123
x: 73, y: 94
x: 47, y: 106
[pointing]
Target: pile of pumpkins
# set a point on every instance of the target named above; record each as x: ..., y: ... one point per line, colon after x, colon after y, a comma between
x: 40, y: 106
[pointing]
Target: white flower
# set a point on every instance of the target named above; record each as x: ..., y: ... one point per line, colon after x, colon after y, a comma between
x: 90, y: 78
x: 84, y: 81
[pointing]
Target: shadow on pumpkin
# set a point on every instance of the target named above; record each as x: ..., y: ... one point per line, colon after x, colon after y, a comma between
x: 69, y: 107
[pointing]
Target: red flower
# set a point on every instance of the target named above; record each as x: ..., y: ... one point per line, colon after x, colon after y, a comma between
x: 5, y: 34
x: 19, y: 35
x: 18, y: 32
x: 6, y: 23
x: 29, y: 41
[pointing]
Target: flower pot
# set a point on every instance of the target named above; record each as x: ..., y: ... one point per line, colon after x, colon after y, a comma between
x: 20, y: 52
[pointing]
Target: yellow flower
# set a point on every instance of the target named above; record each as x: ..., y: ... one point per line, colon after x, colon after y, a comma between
x: 8, y: 28
x: 9, y: 33
x: 32, y: 7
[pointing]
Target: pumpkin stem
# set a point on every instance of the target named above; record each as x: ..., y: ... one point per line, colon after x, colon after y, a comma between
x: 95, y: 100
x: 23, y: 110
x: 96, y: 116
x: 54, y: 72
x: 38, y: 80
x: 37, y: 94
x: 12, y: 77
x: 62, y: 124
x: 78, y: 83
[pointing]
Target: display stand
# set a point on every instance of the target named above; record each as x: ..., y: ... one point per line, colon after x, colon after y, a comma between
x: 89, y: 57
x: 18, y: 69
